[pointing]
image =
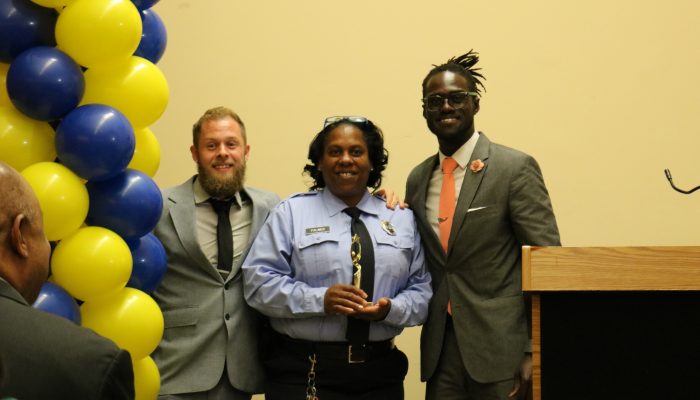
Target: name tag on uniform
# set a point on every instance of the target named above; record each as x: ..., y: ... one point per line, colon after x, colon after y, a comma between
x: 318, y: 229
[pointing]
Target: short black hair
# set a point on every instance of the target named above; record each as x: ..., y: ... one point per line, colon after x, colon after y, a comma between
x: 378, y: 155
x: 462, y: 65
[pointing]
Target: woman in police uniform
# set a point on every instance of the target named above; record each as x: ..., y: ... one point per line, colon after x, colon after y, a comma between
x: 339, y: 275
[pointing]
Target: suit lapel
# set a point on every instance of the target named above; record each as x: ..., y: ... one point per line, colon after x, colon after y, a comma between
x: 182, y: 212
x: 432, y: 241
x: 470, y: 185
x: 260, y: 212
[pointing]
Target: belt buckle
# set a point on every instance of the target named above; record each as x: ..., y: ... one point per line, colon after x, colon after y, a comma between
x: 357, y: 355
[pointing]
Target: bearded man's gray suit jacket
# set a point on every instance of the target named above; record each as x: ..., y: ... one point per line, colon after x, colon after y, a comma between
x: 207, y: 321
x: 500, y: 208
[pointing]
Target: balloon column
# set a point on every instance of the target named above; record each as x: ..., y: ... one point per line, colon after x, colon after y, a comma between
x: 79, y: 89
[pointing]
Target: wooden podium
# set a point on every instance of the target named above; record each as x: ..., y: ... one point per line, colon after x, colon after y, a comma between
x: 614, y: 322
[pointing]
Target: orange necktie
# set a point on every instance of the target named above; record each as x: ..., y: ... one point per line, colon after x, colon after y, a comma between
x: 448, y: 202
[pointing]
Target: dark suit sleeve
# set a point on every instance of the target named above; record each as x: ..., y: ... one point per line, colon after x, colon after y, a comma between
x: 532, y: 216
x: 119, y: 378
x: 531, y: 213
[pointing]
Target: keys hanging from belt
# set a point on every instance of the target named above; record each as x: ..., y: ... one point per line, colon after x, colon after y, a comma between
x: 311, y: 380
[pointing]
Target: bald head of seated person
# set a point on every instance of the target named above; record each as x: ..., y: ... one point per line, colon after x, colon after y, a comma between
x: 45, y: 356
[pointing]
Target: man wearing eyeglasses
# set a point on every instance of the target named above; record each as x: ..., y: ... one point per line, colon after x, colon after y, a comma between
x: 477, y: 203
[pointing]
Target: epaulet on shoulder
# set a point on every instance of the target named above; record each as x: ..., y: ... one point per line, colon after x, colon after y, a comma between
x: 302, y: 194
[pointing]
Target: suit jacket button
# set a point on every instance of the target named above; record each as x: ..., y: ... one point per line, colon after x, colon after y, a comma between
x: 227, y: 316
x: 226, y: 286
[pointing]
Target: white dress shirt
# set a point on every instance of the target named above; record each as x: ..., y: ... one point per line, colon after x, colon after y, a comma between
x: 241, y: 216
x: 432, y: 201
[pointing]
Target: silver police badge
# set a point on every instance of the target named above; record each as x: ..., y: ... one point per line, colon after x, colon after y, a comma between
x: 388, y: 227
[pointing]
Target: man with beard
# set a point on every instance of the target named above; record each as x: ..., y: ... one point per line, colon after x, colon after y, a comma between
x: 477, y: 203
x: 210, y: 344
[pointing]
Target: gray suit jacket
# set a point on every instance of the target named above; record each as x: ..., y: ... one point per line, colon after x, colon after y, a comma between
x: 500, y: 209
x: 207, y: 321
x: 48, y: 357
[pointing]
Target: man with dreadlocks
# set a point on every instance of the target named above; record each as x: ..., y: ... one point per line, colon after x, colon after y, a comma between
x: 476, y: 203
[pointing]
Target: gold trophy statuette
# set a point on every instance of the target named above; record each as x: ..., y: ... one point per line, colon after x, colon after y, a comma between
x: 356, y: 255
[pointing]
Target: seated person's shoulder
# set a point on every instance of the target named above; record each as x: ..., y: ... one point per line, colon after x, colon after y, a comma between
x: 69, y: 333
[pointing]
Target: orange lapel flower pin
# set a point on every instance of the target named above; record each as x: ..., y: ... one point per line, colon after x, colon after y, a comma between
x: 476, y: 166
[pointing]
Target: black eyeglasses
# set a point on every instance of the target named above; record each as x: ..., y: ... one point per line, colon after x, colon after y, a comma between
x: 351, y: 118
x: 455, y: 99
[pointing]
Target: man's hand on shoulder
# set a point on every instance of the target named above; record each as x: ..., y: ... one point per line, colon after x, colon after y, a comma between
x: 392, y: 199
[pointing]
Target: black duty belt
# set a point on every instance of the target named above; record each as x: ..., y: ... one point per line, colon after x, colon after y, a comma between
x: 338, y: 350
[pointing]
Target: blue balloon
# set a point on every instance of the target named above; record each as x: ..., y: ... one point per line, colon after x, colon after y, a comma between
x: 144, y: 4
x: 95, y: 141
x: 55, y: 300
x: 45, y: 83
x: 128, y: 204
x: 150, y: 263
x: 24, y: 25
x: 154, y: 37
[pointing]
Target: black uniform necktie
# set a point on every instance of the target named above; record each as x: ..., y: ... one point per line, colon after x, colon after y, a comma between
x: 358, y: 329
x: 224, y: 236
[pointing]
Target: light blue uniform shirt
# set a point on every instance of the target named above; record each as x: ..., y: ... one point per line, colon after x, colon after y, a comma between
x: 304, y: 248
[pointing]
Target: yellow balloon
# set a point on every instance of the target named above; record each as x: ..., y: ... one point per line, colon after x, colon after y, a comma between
x: 62, y: 195
x: 24, y: 141
x: 53, y: 3
x: 137, y: 88
x: 91, y: 263
x: 99, y: 32
x: 147, y: 152
x: 129, y: 317
x: 146, y: 379
x: 4, y: 97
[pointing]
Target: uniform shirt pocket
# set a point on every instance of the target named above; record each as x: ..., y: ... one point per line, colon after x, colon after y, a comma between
x: 318, y: 260
x: 392, y: 256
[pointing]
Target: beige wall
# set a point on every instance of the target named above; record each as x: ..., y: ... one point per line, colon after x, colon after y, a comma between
x: 603, y: 93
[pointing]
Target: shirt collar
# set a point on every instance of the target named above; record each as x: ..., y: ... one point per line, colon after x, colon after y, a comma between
x: 464, y: 153
x: 335, y: 205
x: 201, y: 195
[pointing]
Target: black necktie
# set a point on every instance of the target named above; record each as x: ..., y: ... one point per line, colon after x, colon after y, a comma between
x: 358, y: 329
x: 224, y: 236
